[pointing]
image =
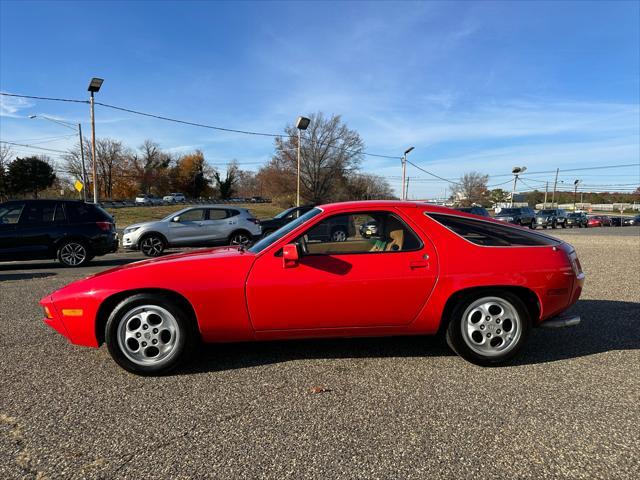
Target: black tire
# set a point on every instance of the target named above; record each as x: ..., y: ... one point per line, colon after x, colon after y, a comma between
x: 564, y: 225
x: 185, y: 338
x: 532, y: 225
x: 152, y: 245
x: 554, y: 225
x: 454, y: 332
x: 266, y: 233
x: 74, y: 253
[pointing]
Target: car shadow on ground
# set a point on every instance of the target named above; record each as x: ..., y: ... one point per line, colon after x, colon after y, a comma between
x: 7, y: 277
x: 606, y: 326
x: 53, y: 265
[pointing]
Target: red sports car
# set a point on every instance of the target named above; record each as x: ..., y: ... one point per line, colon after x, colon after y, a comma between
x: 402, y: 268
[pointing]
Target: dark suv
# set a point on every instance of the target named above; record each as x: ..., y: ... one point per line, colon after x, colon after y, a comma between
x: 524, y: 216
x: 72, y: 231
x: 551, y: 217
x: 476, y: 210
x: 577, y: 219
x: 271, y: 225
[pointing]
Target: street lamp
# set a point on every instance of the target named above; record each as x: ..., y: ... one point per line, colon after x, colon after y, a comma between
x: 404, y: 172
x: 94, y: 86
x: 72, y: 126
x: 301, y: 124
x: 516, y: 171
x: 575, y: 193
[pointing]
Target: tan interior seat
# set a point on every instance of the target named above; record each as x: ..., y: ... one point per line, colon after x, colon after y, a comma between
x: 397, y: 240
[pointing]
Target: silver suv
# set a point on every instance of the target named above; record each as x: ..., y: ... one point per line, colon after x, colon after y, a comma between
x: 205, y: 225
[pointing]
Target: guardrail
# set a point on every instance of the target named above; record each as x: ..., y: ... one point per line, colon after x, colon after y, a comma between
x: 200, y: 201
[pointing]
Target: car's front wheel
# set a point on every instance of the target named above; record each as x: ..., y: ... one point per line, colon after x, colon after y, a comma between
x: 532, y: 225
x: 73, y: 253
x: 152, y: 245
x: 488, y: 328
x: 339, y: 235
x: 147, y: 334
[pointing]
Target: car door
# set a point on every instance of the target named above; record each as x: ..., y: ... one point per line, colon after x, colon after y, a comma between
x: 37, y: 229
x: 216, y: 225
x: 189, y: 229
x: 358, y: 282
x: 10, y: 244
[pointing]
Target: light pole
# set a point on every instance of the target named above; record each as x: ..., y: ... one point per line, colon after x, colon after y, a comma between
x: 404, y: 172
x: 575, y: 193
x: 301, y: 124
x: 516, y: 171
x: 94, y: 86
x: 72, y: 126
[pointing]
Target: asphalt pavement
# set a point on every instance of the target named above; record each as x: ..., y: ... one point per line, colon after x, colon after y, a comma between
x: 356, y: 408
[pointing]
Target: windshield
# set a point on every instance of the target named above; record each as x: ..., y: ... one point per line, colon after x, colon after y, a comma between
x: 509, y: 211
x: 284, y: 213
x: 574, y: 215
x: 282, y: 231
x: 546, y: 212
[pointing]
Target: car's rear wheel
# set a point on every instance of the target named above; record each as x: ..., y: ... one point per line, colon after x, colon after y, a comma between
x: 147, y: 334
x: 152, y: 245
x: 240, y: 238
x: 73, y: 253
x: 339, y: 235
x: 488, y: 328
x: 532, y: 225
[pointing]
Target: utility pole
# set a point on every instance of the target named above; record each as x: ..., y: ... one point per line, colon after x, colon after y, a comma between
x: 546, y: 190
x: 406, y: 191
x: 84, y: 171
x: 555, y: 185
x: 301, y: 124
x: 575, y: 193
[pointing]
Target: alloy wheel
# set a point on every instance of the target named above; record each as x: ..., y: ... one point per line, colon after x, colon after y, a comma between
x: 339, y: 236
x: 148, y: 334
x: 152, y: 246
x: 491, y: 326
x: 240, y: 239
x: 73, y: 254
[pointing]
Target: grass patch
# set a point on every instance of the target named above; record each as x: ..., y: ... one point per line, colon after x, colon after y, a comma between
x: 130, y: 215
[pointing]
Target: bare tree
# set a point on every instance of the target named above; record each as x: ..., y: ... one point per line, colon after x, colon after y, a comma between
x: 5, y: 155
x: 330, y: 150
x: 151, y: 165
x: 364, y: 186
x: 112, y: 157
x: 472, y: 188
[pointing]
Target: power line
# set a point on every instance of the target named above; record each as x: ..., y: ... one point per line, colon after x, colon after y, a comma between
x: 572, y: 169
x: 31, y: 146
x: 432, y: 174
x: 43, y: 98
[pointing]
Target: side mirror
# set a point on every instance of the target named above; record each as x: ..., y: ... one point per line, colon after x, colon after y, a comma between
x: 290, y: 256
x: 176, y: 219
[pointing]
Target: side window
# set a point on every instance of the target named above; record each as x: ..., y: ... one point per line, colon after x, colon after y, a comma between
x: 217, y: 214
x: 232, y: 213
x: 192, y: 215
x: 79, y: 212
x: 37, y: 213
x: 10, y: 214
x: 490, y: 234
x: 362, y: 232
x: 59, y: 216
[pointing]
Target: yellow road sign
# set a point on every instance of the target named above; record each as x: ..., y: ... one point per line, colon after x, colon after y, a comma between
x: 79, y: 185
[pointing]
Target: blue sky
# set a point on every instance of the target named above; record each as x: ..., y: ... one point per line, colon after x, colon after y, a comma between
x: 472, y: 85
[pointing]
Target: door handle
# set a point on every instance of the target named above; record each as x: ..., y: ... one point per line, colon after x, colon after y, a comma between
x: 418, y: 264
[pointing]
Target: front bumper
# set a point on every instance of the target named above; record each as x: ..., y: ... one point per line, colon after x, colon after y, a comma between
x: 543, y: 222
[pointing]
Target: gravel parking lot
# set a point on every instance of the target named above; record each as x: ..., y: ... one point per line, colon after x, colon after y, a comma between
x: 393, y: 407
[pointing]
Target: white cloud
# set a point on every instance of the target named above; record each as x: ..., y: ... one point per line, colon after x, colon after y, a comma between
x: 10, y: 106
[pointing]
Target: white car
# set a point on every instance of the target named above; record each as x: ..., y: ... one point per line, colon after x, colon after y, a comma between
x: 174, y: 198
x: 205, y: 225
x: 147, y: 199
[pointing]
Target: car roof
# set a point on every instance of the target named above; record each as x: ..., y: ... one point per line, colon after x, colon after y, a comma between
x: 427, y: 207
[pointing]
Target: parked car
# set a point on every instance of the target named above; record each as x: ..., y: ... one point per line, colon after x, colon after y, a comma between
x: 427, y: 270
x: 577, y: 219
x: 616, y: 221
x: 628, y: 221
x: 74, y: 232
x: 272, y: 224
x: 147, y: 199
x: 476, y: 210
x: 599, y: 221
x: 551, y: 217
x: 193, y: 227
x: 524, y: 216
x: 174, y: 198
